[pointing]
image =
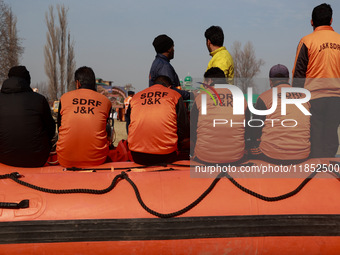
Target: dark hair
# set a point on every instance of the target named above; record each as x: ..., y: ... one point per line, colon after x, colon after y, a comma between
x: 322, y: 15
x: 215, y: 35
x: 131, y: 93
x: 162, y: 43
x: 86, y: 78
x: 164, y: 80
x: 216, y: 74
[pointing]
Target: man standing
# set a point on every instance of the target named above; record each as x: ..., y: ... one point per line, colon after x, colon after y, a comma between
x: 26, y: 127
x: 158, y: 123
x: 164, y: 47
x: 317, y: 68
x: 274, y: 142
x: 82, y: 119
x: 221, y: 58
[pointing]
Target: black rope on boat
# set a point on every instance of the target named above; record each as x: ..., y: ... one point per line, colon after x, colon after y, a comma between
x: 272, y: 199
x: 180, y: 212
x: 15, y: 177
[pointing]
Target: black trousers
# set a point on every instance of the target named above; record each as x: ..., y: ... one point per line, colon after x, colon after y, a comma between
x: 325, y: 121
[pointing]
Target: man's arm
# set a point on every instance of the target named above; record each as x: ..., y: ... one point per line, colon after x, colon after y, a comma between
x: 300, y: 66
x: 182, y: 121
x: 59, y: 116
x: 48, y: 120
x: 256, y: 132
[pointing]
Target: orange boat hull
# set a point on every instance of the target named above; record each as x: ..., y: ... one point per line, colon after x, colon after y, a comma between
x: 226, y: 221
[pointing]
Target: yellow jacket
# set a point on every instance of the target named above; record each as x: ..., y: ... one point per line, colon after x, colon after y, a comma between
x: 222, y: 59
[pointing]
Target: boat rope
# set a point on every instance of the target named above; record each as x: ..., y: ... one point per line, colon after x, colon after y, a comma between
x: 123, y: 175
x: 16, y: 177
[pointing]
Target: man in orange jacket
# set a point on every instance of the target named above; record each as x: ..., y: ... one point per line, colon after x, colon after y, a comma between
x: 82, y: 119
x: 158, y: 123
x: 317, y: 68
x: 280, y: 143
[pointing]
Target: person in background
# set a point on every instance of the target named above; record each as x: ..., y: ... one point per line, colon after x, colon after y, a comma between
x: 26, y: 127
x: 126, y: 105
x: 272, y: 141
x: 220, y: 143
x: 164, y: 47
x: 221, y: 58
x: 317, y: 68
x: 82, y: 121
x: 158, y: 123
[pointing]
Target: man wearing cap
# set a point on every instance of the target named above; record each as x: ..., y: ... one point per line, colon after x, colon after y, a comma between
x: 272, y: 141
x: 26, y: 127
x: 317, y: 68
x: 164, y: 47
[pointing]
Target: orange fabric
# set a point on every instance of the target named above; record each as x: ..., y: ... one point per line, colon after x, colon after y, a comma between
x: 323, y: 51
x: 153, y: 127
x: 82, y: 134
x: 281, y: 142
x: 225, y: 142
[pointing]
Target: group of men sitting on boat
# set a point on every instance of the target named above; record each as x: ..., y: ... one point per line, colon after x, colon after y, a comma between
x: 159, y: 129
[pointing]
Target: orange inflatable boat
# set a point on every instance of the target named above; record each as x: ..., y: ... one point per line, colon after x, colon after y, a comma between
x: 124, y: 208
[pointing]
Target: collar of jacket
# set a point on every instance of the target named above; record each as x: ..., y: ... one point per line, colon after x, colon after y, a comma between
x: 160, y: 55
x: 217, y: 50
x: 320, y: 28
x: 15, y: 85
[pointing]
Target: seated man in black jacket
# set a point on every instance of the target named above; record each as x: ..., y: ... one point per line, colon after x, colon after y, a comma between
x: 26, y: 126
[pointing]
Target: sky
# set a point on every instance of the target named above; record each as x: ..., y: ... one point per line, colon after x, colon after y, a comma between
x: 115, y: 37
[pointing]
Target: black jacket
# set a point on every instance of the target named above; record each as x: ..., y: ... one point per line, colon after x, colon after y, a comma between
x: 26, y: 125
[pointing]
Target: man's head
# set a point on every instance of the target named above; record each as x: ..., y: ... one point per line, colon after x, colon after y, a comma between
x: 163, y: 44
x: 322, y: 15
x: 163, y: 80
x: 131, y: 93
x: 21, y: 72
x: 214, y: 76
x: 278, y: 74
x: 85, y: 78
x: 214, y: 36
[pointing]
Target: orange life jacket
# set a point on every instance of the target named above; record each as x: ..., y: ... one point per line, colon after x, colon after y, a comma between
x: 284, y: 140
x: 225, y: 142
x: 153, y: 127
x: 82, y: 134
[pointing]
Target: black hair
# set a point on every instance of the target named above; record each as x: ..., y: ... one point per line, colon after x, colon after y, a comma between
x: 216, y: 74
x: 164, y: 80
x: 322, y: 15
x: 131, y: 93
x: 86, y: 78
x: 215, y: 35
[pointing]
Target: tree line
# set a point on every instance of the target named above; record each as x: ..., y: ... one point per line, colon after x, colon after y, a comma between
x: 59, y: 53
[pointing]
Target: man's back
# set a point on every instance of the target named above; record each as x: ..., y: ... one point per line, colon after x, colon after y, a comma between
x: 287, y: 136
x: 319, y: 57
x: 154, y: 121
x: 161, y: 66
x: 223, y: 142
x: 82, y: 134
x: 222, y: 59
x: 26, y: 126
